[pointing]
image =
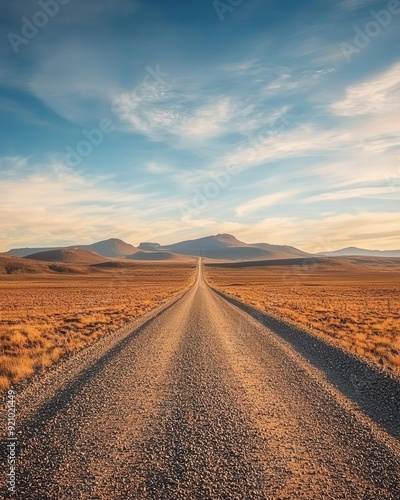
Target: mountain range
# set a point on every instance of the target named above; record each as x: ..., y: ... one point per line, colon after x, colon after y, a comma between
x: 362, y: 252
x: 112, y: 247
x: 227, y: 247
x: 220, y: 247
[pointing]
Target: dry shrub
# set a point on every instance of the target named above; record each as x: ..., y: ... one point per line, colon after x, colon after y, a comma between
x: 45, y: 317
x: 355, y: 306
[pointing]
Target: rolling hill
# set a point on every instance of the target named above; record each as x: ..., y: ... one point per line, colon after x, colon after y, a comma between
x: 67, y: 256
x: 112, y: 247
x: 157, y: 255
x: 20, y: 265
x: 354, y: 251
x: 295, y: 252
x: 24, y: 252
x: 17, y: 265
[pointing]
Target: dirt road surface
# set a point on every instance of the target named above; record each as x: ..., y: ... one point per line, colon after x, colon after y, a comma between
x: 199, y: 402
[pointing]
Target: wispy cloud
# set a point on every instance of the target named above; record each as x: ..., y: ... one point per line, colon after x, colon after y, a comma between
x: 369, y: 192
x: 358, y: 170
x: 73, y: 82
x: 263, y: 202
x: 299, y: 140
x: 163, y: 114
x: 276, y: 99
x: 376, y: 95
x: 353, y: 4
x: 159, y: 168
x: 49, y: 201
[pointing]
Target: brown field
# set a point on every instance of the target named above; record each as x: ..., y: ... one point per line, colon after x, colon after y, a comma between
x: 352, y: 302
x: 45, y: 316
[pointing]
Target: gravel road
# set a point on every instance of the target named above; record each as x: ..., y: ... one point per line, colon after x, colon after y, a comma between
x: 200, y: 401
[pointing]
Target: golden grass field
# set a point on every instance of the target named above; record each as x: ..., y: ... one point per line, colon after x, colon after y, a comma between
x: 45, y: 316
x: 354, y: 304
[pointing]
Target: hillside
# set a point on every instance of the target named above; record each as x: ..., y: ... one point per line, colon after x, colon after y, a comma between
x: 24, y: 252
x: 146, y: 246
x: 158, y: 255
x: 20, y: 265
x: 67, y: 256
x: 225, y: 247
x: 219, y: 247
x: 354, y: 251
x: 17, y: 265
x: 112, y: 247
x: 281, y: 248
x: 194, y: 247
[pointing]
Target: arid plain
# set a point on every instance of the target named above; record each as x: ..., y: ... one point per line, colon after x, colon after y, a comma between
x: 46, y: 314
x: 51, y: 309
x: 353, y: 302
x: 210, y: 368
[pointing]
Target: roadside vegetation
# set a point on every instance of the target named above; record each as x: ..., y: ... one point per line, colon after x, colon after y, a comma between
x: 355, y: 306
x: 44, y: 317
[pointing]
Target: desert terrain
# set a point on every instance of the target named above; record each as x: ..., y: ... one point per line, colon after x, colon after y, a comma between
x: 48, y: 310
x: 202, y: 377
x: 202, y: 401
x: 353, y: 301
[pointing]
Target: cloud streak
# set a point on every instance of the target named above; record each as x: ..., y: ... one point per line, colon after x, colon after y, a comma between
x: 308, y: 134
x: 264, y: 201
x: 377, y: 95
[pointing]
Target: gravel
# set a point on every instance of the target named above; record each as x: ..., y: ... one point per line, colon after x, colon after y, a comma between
x: 202, y: 401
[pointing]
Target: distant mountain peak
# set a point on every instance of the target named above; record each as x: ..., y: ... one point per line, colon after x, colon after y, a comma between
x: 226, y: 237
x: 352, y: 248
x: 112, y: 240
x: 354, y: 251
x: 147, y: 245
x: 113, y: 247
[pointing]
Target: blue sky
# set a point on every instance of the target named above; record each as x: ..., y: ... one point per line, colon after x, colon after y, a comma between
x: 267, y: 119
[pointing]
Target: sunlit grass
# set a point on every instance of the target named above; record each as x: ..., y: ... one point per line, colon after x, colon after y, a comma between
x: 358, y: 309
x: 44, y: 318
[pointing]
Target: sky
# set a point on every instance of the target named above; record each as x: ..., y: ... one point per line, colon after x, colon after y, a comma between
x: 165, y: 120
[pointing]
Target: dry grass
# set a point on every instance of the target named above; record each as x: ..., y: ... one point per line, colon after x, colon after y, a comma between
x: 43, y: 317
x: 356, y: 306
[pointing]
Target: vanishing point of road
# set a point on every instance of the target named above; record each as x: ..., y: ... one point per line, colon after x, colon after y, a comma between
x: 201, y: 401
